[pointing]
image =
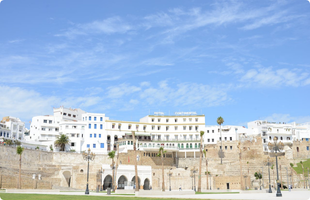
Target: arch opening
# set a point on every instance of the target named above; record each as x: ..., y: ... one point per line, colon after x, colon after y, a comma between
x: 122, y: 182
x: 133, y: 180
x: 146, y: 185
x: 107, y: 182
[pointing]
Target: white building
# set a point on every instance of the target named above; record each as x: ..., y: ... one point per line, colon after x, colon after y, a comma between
x: 229, y: 133
x: 5, y: 133
x: 16, y: 127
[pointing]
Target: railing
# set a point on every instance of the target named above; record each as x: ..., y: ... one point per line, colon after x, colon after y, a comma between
x: 175, y: 140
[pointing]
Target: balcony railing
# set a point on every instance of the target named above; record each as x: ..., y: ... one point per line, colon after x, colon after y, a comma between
x: 175, y: 140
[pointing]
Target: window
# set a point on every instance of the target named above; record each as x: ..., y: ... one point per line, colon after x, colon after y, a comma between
x: 65, y: 114
x: 190, y: 128
x: 69, y: 115
x: 152, y: 119
x: 99, y: 135
x: 158, y: 120
x: 45, y: 121
x: 158, y: 127
x: 196, y: 119
x: 101, y: 119
x: 196, y: 128
x: 89, y: 118
x: 153, y: 127
x: 72, y: 144
x: 95, y: 118
x: 94, y: 145
x: 50, y: 121
x: 74, y: 116
x: 230, y: 147
x: 190, y: 119
x: 95, y: 135
x: 100, y: 126
x: 95, y: 126
x: 88, y: 145
x: 184, y: 128
x: 101, y: 145
x: 225, y: 147
x: 212, y: 131
x: 175, y: 128
x: 207, y: 131
x: 184, y: 119
x: 90, y: 135
x: 208, y: 140
x: 167, y: 128
x: 167, y: 120
x: 225, y: 138
x: 175, y: 120
x: 144, y: 127
x: 129, y: 126
x: 212, y: 140
x: 230, y: 138
x: 220, y: 138
x: 89, y: 126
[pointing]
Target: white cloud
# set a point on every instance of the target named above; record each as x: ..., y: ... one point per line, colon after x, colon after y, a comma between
x: 263, y: 76
x: 276, y: 117
x: 108, y: 26
x: 119, y: 91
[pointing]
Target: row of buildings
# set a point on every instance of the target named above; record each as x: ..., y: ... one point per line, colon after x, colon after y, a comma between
x: 178, y: 134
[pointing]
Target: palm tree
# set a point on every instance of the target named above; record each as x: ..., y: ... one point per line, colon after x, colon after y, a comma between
x: 161, y: 153
x: 207, y: 172
x: 200, y: 160
x: 292, y: 175
x: 19, y: 151
x: 62, y: 141
x: 116, y: 167
x: 136, y: 166
x: 111, y: 155
x: 303, y: 172
x: 240, y: 161
x: 220, y: 121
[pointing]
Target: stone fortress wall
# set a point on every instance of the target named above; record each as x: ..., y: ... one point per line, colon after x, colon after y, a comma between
x: 70, y: 170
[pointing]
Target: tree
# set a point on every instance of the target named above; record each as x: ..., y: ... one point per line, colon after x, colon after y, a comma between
x: 259, y: 176
x: 111, y: 155
x: 292, y: 165
x: 136, y: 164
x: 116, y: 167
x: 19, y: 151
x: 240, y: 162
x: 200, y: 160
x: 161, y: 153
x: 220, y: 121
x: 207, y: 172
x: 61, y: 142
x: 8, y: 142
x: 303, y: 172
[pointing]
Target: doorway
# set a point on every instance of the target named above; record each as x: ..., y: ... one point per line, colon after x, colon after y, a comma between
x: 227, y: 184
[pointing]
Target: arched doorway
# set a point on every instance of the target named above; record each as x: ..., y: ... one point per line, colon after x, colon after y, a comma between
x: 133, y: 180
x: 122, y: 182
x: 107, y: 183
x: 67, y: 176
x: 146, y: 185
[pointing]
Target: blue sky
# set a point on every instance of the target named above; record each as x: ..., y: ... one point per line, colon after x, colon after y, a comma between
x: 242, y: 60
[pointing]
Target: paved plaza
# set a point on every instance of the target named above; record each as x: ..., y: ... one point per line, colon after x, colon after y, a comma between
x: 286, y: 195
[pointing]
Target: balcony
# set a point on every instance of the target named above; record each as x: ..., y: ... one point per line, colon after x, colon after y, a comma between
x: 176, y: 140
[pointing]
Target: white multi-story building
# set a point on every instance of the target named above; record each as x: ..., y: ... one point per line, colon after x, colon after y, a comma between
x: 16, y: 127
x: 229, y: 133
x: 285, y: 133
x: 5, y: 133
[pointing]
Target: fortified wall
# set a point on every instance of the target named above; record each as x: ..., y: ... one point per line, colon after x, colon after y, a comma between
x: 69, y: 169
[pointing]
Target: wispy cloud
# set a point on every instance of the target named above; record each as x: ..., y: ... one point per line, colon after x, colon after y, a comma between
x: 268, y: 76
x: 277, y: 117
x: 107, y: 26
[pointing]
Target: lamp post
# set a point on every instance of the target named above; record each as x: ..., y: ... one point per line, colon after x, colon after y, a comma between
x: 88, y: 156
x: 268, y: 163
x: 210, y: 180
x: 288, y: 184
x: 276, y: 147
x: 194, y: 171
x: 170, y: 179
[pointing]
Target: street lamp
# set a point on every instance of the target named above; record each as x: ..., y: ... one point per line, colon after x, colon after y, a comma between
x: 268, y: 163
x: 210, y: 180
x: 276, y: 147
x: 88, y: 156
x: 194, y: 171
x: 170, y: 179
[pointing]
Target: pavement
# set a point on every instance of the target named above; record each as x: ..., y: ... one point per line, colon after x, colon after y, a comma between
x: 286, y: 195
